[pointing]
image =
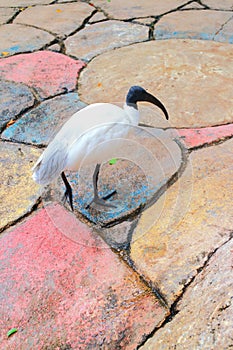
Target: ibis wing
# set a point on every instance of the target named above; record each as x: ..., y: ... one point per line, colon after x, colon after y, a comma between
x: 51, y: 163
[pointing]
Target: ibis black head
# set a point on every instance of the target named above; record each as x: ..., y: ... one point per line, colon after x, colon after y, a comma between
x: 138, y: 94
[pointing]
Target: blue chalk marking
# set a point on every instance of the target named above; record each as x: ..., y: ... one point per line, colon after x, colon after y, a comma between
x: 132, y: 202
x: 166, y: 34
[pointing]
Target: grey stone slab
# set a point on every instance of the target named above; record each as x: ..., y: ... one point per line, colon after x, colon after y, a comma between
x: 60, y: 19
x: 194, y: 25
x: 6, y: 14
x: 219, y: 5
x: 14, y: 98
x: 100, y: 37
x: 23, y: 3
x: 17, y: 38
x: 40, y: 124
x: 122, y: 9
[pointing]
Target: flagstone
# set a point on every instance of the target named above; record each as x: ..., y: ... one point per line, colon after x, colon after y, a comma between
x: 41, y: 124
x: 62, y: 286
x: 203, y: 136
x: 193, y: 5
x: 17, y: 38
x: 193, y: 25
x: 104, y: 36
x: 187, y: 77
x: 18, y: 192
x: 220, y: 5
x: 97, y: 17
x: 131, y: 8
x: 14, y: 98
x: 226, y: 31
x: 205, y: 311
x: 49, y: 73
x: 23, y: 3
x: 66, y: 17
x: 6, y: 14
x: 175, y: 236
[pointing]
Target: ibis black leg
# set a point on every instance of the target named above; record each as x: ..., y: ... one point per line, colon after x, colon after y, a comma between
x: 97, y: 199
x: 68, y: 191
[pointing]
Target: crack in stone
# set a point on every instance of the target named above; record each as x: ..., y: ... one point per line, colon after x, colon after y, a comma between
x: 13, y: 17
x: 34, y: 207
x: 222, y: 27
x: 23, y: 111
x: 173, y: 308
x: 154, y: 289
x: 85, y: 21
x: 204, y: 5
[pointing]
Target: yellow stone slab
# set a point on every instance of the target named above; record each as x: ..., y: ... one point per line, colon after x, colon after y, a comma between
x: 204, y: 320
x: 193, y: 78
x: 18, y: 192
x: 174, y: 236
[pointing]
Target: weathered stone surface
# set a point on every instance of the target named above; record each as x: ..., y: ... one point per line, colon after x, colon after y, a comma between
x: 195, y: 216
x: 147, y: 159
x: 41, y: 124
x: 202, y: 136
x: 16, y: 38
x: 226, y: 32
x: 205, y: 313
x: 136, y: 8
x: 118, y: 236
x: 186, y: 75
x: 14, y: 98
x: 63, y: 288
x: 50, y: 73
x: 66, y: 17
x: 145, y: 21
x: 6, y: 14
x: 99, y: 16
x: 193, y: 5
x: 220, y: 5
x: 22, y: 3
x: 101, y: 37
x: 55, y: 48
x: 193, y: 25
x: 18, y: 192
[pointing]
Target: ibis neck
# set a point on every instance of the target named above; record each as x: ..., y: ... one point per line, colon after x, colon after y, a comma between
x: 132, y: 113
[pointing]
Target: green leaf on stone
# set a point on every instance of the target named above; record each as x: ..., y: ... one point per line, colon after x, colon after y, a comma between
x: 113, y: 161
x: 11, y: 331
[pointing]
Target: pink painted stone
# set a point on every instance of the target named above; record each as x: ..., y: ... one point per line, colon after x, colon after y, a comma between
x: 63, y: 288
x: 201, y: 136
x: 48, y: 72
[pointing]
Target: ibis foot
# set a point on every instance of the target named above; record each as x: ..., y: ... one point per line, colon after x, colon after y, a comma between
x: 102, y: 201
x: 97, y: 200
x: 68, y: 192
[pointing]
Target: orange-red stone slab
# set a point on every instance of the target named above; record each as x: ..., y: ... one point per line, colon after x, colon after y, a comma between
x: 203, y: 136
x: 50, y: 73
x: 63, y: 288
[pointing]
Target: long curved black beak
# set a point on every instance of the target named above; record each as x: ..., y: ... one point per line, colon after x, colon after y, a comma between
x: 150, y: 98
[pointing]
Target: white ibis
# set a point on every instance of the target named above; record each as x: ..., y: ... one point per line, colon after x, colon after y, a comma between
x: 81, y: 135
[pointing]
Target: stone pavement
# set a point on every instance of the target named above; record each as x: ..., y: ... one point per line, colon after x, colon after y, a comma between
x: 157, y: 271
